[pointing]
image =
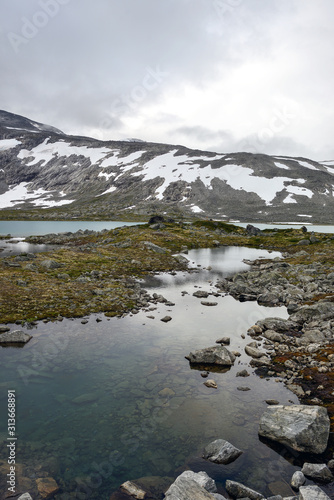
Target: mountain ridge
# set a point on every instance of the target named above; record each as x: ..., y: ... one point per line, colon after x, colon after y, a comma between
x: 43, y: 168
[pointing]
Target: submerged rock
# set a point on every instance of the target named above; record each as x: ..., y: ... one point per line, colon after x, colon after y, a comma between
x: 221, y: 452
x: 15, y: 337
x: 47, y: 487
x: 216, y: 355
x: 301, y: 427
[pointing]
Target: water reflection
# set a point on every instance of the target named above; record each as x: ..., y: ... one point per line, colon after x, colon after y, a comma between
x: 16, y: 246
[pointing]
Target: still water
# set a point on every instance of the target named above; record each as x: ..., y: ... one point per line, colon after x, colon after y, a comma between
x: 20, y: 228
x: 105, y: 402
x: 36, y: 228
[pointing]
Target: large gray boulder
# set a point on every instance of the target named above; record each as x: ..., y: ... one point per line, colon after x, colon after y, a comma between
x: 312, y: 493
x: 15, y: 337
x: 191, y: 486
x: 238, y: 490
x: 319, y: 472
x: 320, y: 310
x: 216, y: 355
x: 221, y: 452
x: 278, y: 325
x: 301, y: 427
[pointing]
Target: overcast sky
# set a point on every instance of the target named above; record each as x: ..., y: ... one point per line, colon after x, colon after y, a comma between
x: 221, y: 75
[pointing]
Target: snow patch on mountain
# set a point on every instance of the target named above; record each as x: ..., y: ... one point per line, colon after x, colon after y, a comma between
x: 8, y: 144
x: 19, y: 194
x: 46, y: 151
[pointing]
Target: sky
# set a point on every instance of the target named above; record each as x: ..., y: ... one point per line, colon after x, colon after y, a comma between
x: 216, y: 75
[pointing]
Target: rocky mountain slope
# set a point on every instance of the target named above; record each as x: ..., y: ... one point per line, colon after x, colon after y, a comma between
x: 41, y: 167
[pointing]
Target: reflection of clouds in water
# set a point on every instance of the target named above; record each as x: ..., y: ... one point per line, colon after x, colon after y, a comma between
x: 224, y: 262
x: 16, y: 246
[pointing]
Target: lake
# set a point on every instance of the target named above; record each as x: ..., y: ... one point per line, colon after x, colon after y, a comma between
x: 109, y: 401
x: 27, y: 228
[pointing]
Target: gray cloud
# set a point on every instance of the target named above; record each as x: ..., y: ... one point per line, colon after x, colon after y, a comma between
x: 206, y: 72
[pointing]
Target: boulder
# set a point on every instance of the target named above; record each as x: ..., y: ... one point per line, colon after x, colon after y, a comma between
x: 221, y: 452
x: 320, y: 310
x: 301, y: 427
x: 238, y: 490
x: 15, y: 337
x: 191, y: 486
x: 319, y: 472
x: 297, y: 480
x: 216, y: 355
x: 278, y: 325
x: 154, y: 247
x: 25, y: 496
x: 312, y: 493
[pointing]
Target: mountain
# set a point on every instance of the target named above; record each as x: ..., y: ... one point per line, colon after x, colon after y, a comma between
x: 41, y: 167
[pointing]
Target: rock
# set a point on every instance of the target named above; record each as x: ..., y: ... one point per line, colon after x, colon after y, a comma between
x: 216, y: 355
x: 25, y: 496
x: 273, y: 336
x: 252, y: 230
x: 258, y: 362
x: 154, y: 247
x: 297, y: 480
x: 15, y: 337
x: 47, y: 487
x: 320, y: 310
x: 211, y: 383
x: 301, y: 427
x: 181, y: 258
x: 133, y: 490
x: 155, y: 486
x: 268, y: 299
x: 243, y: 389
x: 165, y: 319
x: 191, y: 486
x: 238, y: 490
x: 221, y: 452
x: 207, y: 303
x: 224, y: 341
x: 254, y: 352
x: 303, y: 242
x: 50, y: 264
x: 202, y: 479
x: 4, y: 329
x: 320, y: 472
x: 166, y: 392
x: 278, y: 325
x: 242, y: 373
x: 201, y: 294
x: 89, y: 397
x: 312, y: 493
x: 272, y: 402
